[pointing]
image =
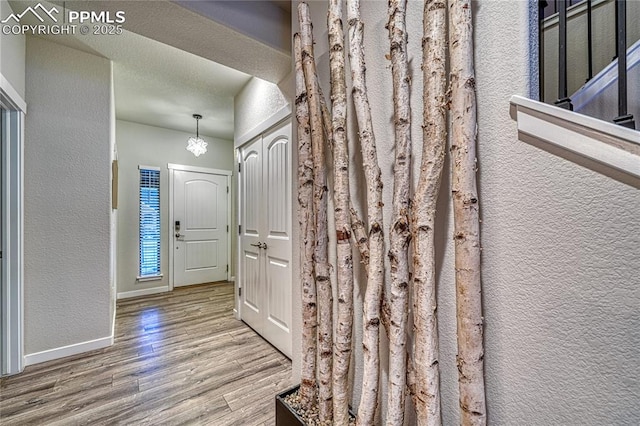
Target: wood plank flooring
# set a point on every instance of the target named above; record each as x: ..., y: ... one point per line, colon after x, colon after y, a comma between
x: 178, y: 358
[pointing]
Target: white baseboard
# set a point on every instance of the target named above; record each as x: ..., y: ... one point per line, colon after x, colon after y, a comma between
x: 65, y: 351
x: 232, y: 279
x: 143, y: 292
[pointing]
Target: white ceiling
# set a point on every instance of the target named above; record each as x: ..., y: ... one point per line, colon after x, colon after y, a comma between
x: 161, y: 85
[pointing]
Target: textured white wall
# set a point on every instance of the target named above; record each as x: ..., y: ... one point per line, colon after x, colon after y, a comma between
x: 12, y: 54
x: 139, y: 144
x: 256, y: 103
x: 66, y: 198
x: 560, y: 243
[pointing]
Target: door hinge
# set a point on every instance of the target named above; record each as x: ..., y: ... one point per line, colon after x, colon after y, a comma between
x: 227, y: 268
x: 239, y: 229
x: 239, y: 167
x: 227, y: 228
x: 227, y: 189
x: 239, y: 291
x: 0, y: 254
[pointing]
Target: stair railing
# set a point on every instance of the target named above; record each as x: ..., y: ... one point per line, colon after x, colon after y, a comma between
x: 624, y: 118
x: 546, y: 9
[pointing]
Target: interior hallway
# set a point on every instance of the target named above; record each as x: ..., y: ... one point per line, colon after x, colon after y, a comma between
x: 178, y: 358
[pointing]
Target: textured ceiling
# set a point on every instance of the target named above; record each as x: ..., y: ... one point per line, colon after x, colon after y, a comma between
x: 214, y: 30
x: 163, y: 86
x: 162, y: 83
x: 269, y: 22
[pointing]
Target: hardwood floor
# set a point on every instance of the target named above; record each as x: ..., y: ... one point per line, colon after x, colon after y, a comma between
x: 178, y: 358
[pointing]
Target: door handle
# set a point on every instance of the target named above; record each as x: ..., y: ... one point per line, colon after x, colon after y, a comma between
x: 264, y: 246
x: 259, y: 245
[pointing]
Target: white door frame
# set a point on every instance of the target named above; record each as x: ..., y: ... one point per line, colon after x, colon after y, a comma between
x: 180, y: 167
x: 13, y: 109
x: 239, y: 284
x: 237, y: 305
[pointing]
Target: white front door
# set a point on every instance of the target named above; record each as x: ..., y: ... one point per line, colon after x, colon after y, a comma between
x: 265, y: 259
x: 200, y: 227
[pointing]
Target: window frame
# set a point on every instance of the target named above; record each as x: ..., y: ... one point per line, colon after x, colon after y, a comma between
x: 157, y: 274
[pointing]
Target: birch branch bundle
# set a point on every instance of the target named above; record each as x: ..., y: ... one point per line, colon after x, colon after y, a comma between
x: 400, y: 235
x: 470, y: 357
x: 375, y: 281
x: 306, y: 217
x: 322, y: 268
x: 344, y: 262
x: 316, y: 127
x: 426, y: 392
x: 357, y: 225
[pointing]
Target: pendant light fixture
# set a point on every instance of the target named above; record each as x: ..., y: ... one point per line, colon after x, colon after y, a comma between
x: 197, y: 145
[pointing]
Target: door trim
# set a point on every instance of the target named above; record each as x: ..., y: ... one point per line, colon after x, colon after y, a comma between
x: 196, y: 169
x: 181, y: 167
x: 237, y: 284
x: 9, y: 97
x: 11, y: 281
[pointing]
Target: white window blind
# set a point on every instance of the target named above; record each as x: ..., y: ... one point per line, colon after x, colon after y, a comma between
x: 149, y: 222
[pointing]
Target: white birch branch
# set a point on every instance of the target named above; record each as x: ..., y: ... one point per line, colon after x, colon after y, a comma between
x: 400, y: 235
x: 306, y: 217
x: 322, y: 267
x: 360, y: 238
x: 425, y: 373
x: 375, y: 281
x: 357, y: 224
x: 470, y: 358
x: 344, y: 262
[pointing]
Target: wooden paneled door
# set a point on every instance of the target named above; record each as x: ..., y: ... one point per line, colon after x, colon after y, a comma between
x: 265, y: 236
